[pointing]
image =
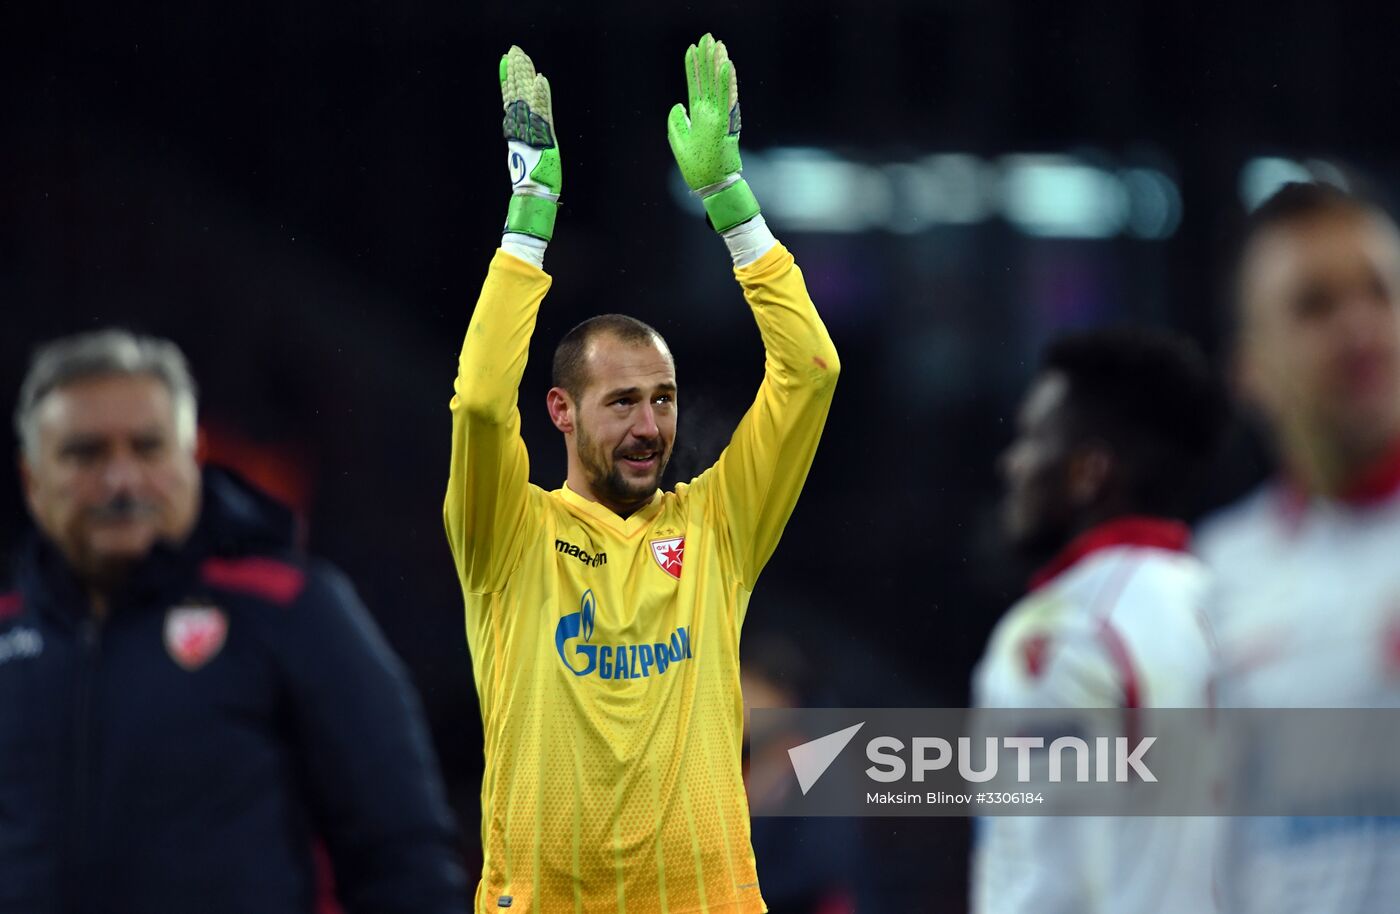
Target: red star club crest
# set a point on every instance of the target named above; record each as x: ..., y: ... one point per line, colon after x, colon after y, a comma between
x: 669, y: 554
x: 194, y: 634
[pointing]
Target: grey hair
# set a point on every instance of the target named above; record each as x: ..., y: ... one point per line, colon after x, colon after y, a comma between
x: 104, y: 353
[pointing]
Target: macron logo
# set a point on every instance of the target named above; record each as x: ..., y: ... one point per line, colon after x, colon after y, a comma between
x: 810, y: 760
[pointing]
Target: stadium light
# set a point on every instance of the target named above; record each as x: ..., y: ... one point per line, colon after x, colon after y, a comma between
x: 808, y: 189
x: 1059, y: 197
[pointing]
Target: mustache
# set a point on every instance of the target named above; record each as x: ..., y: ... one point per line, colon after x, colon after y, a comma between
x: 641, y: 444
x: 123, y: 508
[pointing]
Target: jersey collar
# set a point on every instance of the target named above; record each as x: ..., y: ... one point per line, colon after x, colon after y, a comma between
x: 1375, y: 483
x: 1130, y: 530
x: 626, y: 526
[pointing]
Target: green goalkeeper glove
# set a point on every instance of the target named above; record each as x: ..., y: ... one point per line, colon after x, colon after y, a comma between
x: 533, y: 156
x: 706, y: 143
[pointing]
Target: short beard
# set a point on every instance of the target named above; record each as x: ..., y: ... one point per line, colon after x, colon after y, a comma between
x: 606, y: 478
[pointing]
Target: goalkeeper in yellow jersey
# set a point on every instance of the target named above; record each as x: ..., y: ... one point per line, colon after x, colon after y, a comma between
x: 603, y: 616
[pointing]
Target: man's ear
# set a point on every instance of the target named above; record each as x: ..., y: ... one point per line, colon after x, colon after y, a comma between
x: 561, y: 409
x: 1090, y: 471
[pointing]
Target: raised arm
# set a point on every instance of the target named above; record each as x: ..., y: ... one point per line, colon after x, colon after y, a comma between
x: 488, y: 484
x: 762, y: 471
x: 756, y: 481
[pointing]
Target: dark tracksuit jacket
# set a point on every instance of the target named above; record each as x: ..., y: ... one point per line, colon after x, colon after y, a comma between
x: 236, y: 706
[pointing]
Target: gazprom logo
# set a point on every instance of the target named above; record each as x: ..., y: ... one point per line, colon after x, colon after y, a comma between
x: 588, y: 608
x: 573, y: 640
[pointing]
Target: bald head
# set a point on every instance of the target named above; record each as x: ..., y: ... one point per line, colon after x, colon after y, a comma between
x: 571, y: 357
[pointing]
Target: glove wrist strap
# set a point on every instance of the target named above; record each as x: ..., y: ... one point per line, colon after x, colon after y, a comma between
x: 731, y: 206
x: 531, y: 215
x: 727, y: 181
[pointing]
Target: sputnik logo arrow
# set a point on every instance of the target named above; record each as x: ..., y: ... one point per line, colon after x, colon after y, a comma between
x: 810, y: 760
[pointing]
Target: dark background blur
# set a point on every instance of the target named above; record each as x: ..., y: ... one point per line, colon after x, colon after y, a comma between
x: 305, y: 196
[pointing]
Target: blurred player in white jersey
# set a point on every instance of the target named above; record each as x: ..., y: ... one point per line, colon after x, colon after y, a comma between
x: 1114, y: 431
x: 1308, y: 567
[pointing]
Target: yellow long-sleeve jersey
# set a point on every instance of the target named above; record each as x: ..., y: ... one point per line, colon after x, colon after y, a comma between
x: 606, y: 650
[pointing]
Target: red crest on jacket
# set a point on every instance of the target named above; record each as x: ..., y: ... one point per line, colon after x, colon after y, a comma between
x: 194, y: 634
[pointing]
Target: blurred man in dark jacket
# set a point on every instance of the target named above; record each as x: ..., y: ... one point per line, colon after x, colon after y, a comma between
x: 188, y: 703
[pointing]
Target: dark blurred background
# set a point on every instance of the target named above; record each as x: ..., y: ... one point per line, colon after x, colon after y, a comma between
x: 305, y: 196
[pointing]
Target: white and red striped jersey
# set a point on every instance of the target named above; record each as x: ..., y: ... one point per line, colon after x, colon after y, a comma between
x: 1116, y: 621
x: 1307, y: 611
